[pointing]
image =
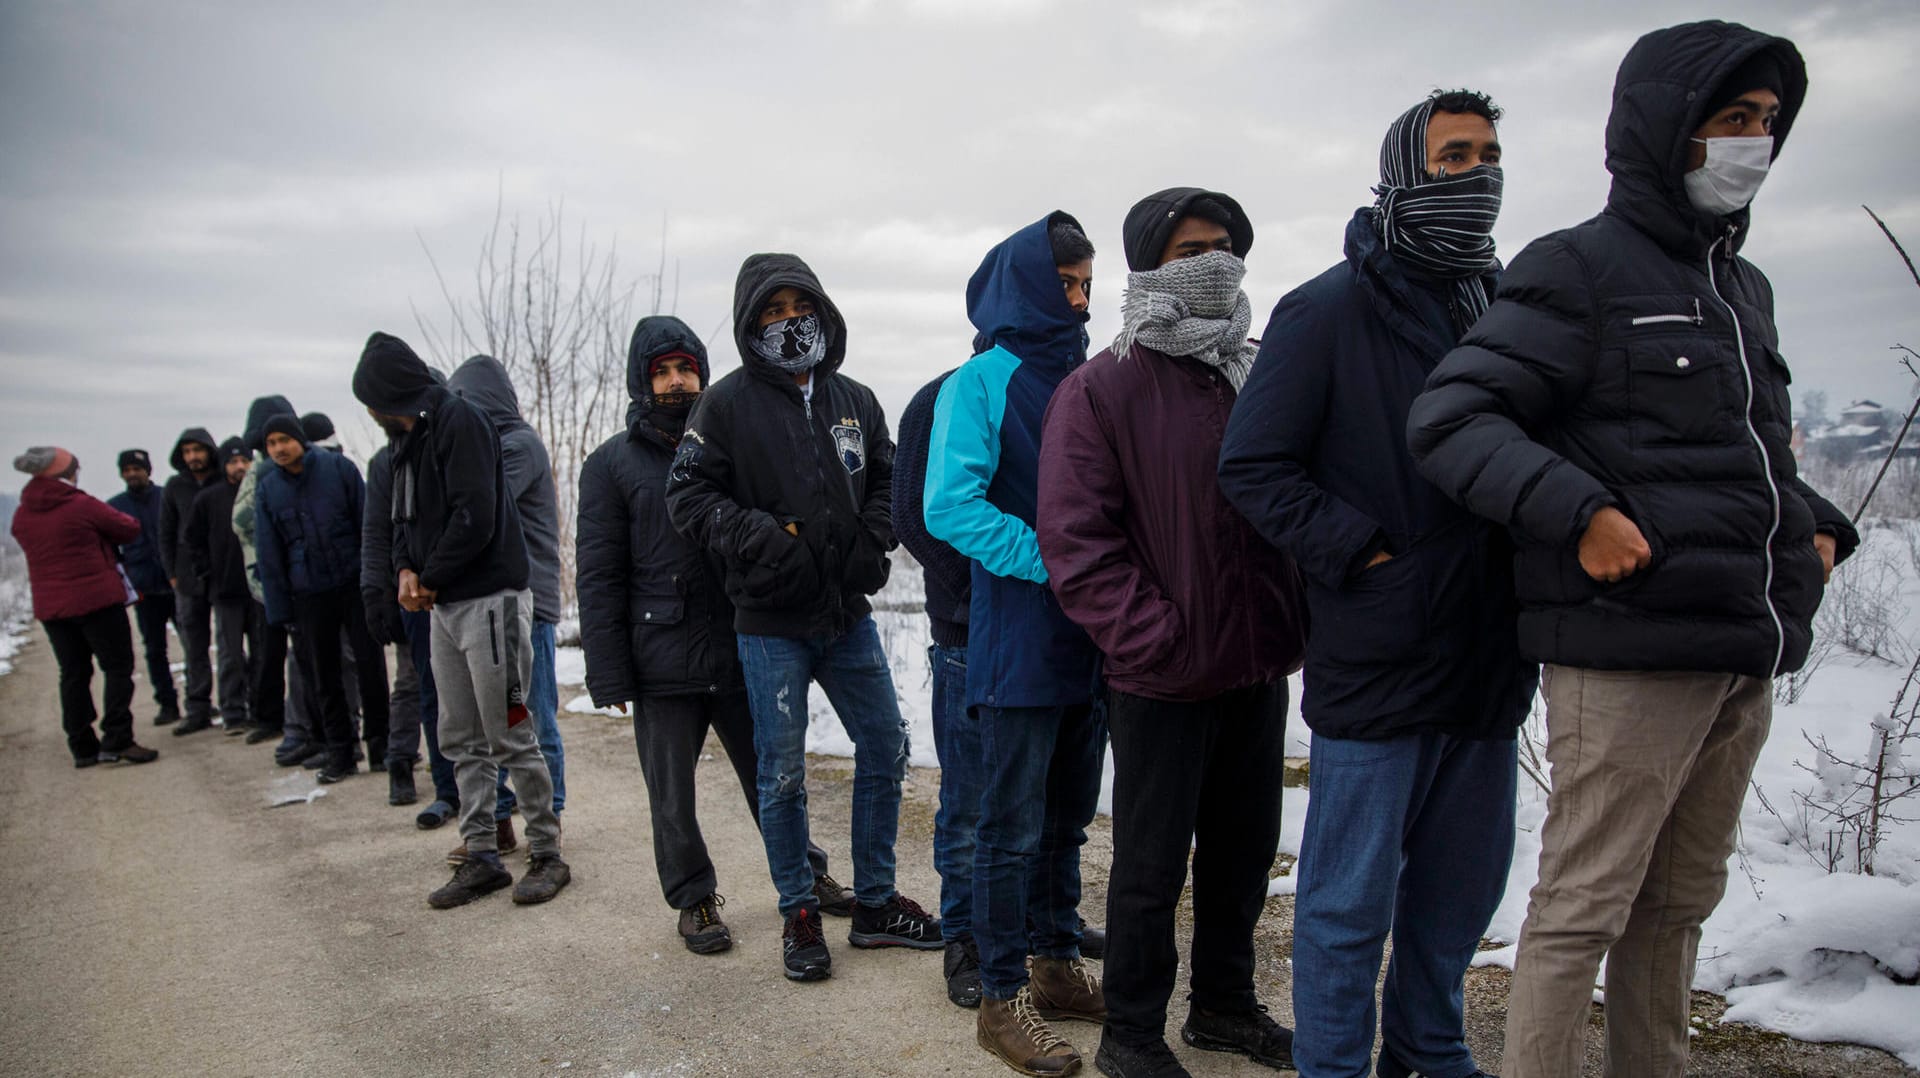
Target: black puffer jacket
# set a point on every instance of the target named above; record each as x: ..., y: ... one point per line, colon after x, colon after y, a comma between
x: 1632, y: 361
x: 177, y: 498
x: 758, y: 455
x: 654, y: 618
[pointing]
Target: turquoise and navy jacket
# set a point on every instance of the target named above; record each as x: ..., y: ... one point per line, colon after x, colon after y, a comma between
x: 983, y: 477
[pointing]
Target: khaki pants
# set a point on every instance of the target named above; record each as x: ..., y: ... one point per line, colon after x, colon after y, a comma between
x: 1649, y: 772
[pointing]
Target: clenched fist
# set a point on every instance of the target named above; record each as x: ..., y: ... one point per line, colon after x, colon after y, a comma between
x: 1613, y: 548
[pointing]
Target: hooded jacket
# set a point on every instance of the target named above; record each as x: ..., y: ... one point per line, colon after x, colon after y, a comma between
x: 254, y: 434
x: 212, y: 550
x: 69, y: 537
x: 948, y: 574
x: 484, y: 382
x: 1632, y: 361
x: 177, y: 497
x: 309, y: 530
x: 1314, y: 456
x: 454, y: 520
x: 379, y: 580
x: 142, y: 556
x: 983, y: 477
x: 759, y: 455
x: 654, y: 615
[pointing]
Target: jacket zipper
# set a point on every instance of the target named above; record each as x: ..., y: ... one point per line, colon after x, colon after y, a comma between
x: 1653, y: 319
x: 1766, y: 462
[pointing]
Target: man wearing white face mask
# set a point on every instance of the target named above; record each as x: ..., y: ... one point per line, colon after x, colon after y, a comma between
x: 1622, y: 408
x: 1414, y: 683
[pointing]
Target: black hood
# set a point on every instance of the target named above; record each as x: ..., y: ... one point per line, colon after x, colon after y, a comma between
x: 392, y: 380
x: 261, y: 410
x: 654, y: 336
x: 188, y: 437
x: 1663, y: 93
x: 1151, y: 221
x: 483, y: 381
x: 760, y: 277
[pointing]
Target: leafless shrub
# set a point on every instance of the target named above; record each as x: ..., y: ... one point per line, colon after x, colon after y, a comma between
x: 1863, y: 606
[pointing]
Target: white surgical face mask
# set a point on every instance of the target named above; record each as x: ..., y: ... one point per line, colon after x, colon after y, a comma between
x: 1732, y: 174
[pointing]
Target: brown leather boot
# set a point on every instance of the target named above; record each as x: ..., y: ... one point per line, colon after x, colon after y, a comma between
x: 1065, y: 988
x: 1014, y: 1031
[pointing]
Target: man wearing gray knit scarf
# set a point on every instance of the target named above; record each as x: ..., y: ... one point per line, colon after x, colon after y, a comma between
x: 1192, y: 304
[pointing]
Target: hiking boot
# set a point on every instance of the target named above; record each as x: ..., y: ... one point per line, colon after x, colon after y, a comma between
x: 193, y: 726
x: 1253, y: 1034
x: 546, y: 874
x: 1156, y: 1060
x: 400, y: 789
x: 1093, y: 941
x: 1013, y: 1030
x: 169, y: 714
x: 131, y: 754
x: 701, y: 928
x: 1065, y: 988
x: 899, y: 923
x: 961, y: 967
x: 835, y: 900
x: 333, y: 772
x: 803, y: 950
x: 471, y: 880
x: 435, y: 816
x: 503, y: 837
x: 264, y: 733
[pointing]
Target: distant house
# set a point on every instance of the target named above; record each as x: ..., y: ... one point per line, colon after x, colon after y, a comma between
x: 1864, y: 429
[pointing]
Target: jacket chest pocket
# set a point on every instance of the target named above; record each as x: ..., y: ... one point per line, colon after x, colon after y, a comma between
x: 1679, y: 391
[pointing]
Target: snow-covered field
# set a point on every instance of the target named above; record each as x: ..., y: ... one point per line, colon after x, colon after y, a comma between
x: 1817, y: 956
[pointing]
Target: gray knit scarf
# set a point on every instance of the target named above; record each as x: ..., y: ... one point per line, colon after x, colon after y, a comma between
x: 1191, y: 307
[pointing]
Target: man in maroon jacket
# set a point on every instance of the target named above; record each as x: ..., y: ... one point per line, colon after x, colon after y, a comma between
x: 81, y: 596
x: 1199, y: 620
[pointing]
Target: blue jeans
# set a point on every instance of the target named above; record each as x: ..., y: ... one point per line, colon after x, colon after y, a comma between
x: 1040, y: 768
x: 956, y: 741
x: 853, y: 671
x: 1410, y: 835
x: 420, y: 643
x: 543, y: 703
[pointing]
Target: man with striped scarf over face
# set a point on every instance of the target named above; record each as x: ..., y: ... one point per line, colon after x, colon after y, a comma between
x: 1414, y: 683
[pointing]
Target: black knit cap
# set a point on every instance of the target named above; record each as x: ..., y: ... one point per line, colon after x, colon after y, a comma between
x: 1152, y: 220
x: 137, y: 458
x: 287, y: 425
x: 233, y: 448
x: 318, y: 427
x: 391, y: 379
x: 1760, y: 72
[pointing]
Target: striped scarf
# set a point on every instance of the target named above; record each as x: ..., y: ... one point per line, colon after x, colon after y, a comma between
x: 1440, y: 226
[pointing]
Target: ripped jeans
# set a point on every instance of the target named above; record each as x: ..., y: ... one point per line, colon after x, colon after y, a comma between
x: 853, y: 671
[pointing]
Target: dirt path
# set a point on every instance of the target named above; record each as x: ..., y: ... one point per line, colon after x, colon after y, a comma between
x: 163, y: 920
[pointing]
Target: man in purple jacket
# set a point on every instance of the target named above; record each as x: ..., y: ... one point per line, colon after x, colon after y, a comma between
x: 1199, y: 621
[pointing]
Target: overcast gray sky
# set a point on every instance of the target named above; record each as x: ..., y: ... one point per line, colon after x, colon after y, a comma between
x: 204, y: 202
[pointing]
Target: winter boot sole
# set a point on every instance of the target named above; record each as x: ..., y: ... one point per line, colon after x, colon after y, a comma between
x: 1215, y: 1044
x: 980, y: 1038
x: 868, y: 941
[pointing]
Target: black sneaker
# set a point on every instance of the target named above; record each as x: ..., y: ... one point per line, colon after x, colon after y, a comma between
x: 264, y: 733
x: 331, y: 773
x: 834, y: 899
x: 899, y: 923
x: 701, y: 928
x: 193, y: 726
x: 400, y: 789
x: 1156, y: 1060
x: 1254, y: 1034
x: 962, y: 970
x: 132, y: 754
x: 471, y: 880
x: 86, y: 761
x: 169, y: 714
x: 435, y: 815
x: 237, y: 727
x: 803, y: 950
x: 546, y: 875
x: 1093, y: 941
x: 316, y: 758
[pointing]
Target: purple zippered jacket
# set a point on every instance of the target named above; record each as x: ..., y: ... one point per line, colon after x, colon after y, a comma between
x: 1178, y: 590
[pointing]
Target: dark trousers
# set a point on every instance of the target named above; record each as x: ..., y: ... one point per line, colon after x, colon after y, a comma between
x: 420, y: 646
x: 267, y: 675
x: 669, y: 732
x: 1206, y: 776
x: 153, y: 612
x: 103, y: 635
x: 322, y: 616
x: 237, y: 626
x: 193, y: 619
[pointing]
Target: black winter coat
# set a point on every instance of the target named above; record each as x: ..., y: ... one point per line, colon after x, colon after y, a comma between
x: 948, y: 573
x: 177, y: 497
x: 379, y: 580
x: 1314, y: 455
x: 141, y: 558
x: 1632, y: 361
x: 212, y: 550
x: 454, y: 520
x: 758, y: 455
x: 654, y: 616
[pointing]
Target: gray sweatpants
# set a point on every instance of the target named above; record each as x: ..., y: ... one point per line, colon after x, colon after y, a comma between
x: 482, y: 664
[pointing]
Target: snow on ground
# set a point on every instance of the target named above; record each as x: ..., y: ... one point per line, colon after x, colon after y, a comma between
x: 13, y: 637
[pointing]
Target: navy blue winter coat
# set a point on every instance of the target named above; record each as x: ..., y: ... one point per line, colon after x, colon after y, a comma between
x: 1315, y: 456
x: 308, y: 530
x: 141, y: 558
x: 948, y: 574
x: 983, y: 477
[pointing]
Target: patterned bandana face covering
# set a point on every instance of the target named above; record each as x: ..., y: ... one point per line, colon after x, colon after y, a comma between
x: 792, y: 344
x: 1440, y: 225
x: 1191, y: 307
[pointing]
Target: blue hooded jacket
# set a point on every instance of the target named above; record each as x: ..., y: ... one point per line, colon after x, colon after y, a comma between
x: 308, y: 531
x: 983, y: 477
